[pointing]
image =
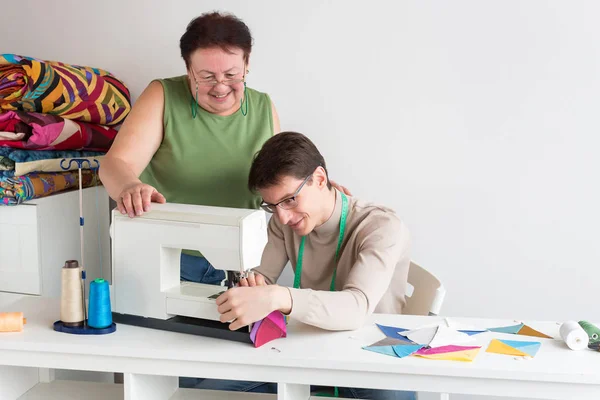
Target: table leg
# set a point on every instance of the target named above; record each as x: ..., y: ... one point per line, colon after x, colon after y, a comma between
x: 47, y: 375
x: 289, y: 391
x: 149, y: 387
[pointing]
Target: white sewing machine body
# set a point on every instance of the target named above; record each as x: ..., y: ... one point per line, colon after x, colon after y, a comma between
x: 146, y: 253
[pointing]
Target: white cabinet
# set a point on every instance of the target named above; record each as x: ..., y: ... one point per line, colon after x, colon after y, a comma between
x: 37, y: 237
x: 19, y: 244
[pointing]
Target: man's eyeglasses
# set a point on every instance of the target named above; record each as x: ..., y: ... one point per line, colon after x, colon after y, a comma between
x: 286, y: 204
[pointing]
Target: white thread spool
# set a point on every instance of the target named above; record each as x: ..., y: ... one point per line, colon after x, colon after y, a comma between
x: 71, y: 300
x: 574, y: 336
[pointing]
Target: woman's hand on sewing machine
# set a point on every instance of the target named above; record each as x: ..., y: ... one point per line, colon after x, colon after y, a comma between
x: 253, y: 279
x: 135, y: 199
x: 245, y: 305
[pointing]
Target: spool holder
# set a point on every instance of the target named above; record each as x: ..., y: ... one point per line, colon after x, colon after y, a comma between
x: 84, y: 328
x: 60, y: 326
x: 80, y: 163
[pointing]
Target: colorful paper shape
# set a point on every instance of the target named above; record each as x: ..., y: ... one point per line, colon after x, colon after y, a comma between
x: 393, y: 347
x: 437, y: 336
x: 422, y: 336
x: 270, y: 328
x: 406, y: 350
x: 451, y: 353
x: 513, y: 348
x: 513, y: 329
x: 392, y: 332
x: 520, y: 329
x: 447, y: 336
x: 387, y: 350
x: 470, y: 333
x: 397, y: 345
x: 464, y: 328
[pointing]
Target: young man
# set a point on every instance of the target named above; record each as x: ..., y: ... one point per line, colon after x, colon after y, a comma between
x: 350, y: 257
x: 313, y: 226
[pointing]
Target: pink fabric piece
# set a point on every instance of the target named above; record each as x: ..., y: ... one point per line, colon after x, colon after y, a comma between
x: 445, y: 349
x: 270, y: 329
x: 279, y: 319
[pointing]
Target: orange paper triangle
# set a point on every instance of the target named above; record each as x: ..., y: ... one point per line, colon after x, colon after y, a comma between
x: 498, y: 347
x: 529, y: 331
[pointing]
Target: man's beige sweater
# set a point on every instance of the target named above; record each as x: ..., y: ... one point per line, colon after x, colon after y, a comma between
x: 371, y: 272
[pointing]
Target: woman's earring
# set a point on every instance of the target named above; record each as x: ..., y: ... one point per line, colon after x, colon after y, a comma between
x: 244, y: 100
x: 195, y: 103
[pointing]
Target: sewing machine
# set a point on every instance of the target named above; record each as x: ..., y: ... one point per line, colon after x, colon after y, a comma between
x: 146, y: 254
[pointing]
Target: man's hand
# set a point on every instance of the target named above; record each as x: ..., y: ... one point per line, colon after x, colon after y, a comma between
x: 245, y: 305
x: 253, y: 280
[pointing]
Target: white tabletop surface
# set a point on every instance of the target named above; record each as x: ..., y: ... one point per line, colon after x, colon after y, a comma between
x: 307, y: 350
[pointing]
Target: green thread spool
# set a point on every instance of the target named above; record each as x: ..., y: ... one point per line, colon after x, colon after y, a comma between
x: 593, y: 333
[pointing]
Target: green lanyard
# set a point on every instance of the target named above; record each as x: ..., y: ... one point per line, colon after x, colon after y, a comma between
x: 298, y: 273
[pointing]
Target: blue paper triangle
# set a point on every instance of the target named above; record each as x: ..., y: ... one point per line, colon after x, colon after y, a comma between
x: 392, y: 331
x: 471, y: 333
x: 517, y: 343
x: 507, y: 329
x: 531, y: 350
x: 387, y: 350
x: 406, y: 350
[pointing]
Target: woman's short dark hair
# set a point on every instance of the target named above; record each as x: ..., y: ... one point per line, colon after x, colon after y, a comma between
x: 215, y: 29
x: 284, y: 154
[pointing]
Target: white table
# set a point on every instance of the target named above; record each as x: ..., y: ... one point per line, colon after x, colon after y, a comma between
x: 152, y: 360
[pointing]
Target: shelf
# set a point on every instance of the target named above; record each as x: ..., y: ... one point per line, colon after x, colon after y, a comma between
x: 72, y: 390
x: 192, y: 394
x: 76, y: 390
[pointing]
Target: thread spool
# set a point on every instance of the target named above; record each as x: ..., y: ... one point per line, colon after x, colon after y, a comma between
x: 573, y: 335
x: 592, y: 330
x: 593, y: 333
x: 99, y: 313
x: 12, y: 322
x: 71, y: 299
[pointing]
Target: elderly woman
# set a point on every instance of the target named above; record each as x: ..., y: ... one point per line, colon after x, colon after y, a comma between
x: 191, y: 138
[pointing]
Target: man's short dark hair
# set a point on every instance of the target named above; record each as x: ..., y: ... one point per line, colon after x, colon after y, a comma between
x: 285, y: 154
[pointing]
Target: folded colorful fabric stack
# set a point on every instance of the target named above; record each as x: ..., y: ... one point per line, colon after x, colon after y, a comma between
x: 17, y: 162
x: 50, y: 113
x: 35, y: 131
x: 70, y: 91
x: 32, y: 186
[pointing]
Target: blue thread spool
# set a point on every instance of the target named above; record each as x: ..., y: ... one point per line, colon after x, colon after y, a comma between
x: 99, y: 315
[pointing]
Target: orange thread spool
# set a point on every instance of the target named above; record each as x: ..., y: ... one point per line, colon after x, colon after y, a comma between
x: 12, y: 322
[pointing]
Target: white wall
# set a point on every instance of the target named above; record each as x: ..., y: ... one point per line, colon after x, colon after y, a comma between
x: 475, y: 120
